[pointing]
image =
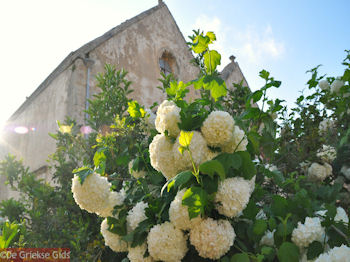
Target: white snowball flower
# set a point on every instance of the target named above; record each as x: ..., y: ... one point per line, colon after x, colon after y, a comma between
x: 136, y: 215
x: 168, y: 117
x: 325, y: 125
x: 93, y: 194
x: 336, y: 85
x: 212, y: 238
x: 232, y: 196
x: 323, y: 84
x: 136, y: 174
x: 308, y: 232
x: 162, y: 156
x: 327, y: 153
x: 178, y: 213
x: 345, y: 170
x: 271, y: 167
x: 238, y: 142
x: 114, y: 199
x: 167, y: 243
x: 267, y: 239
x: 217, y: 128
x: 341, y: 215
x: 318, y: 172
x: 137, y: 253
x: 112, y: 240
x: 198, y: 148
x: 337, y: 254
x: 304, y: 166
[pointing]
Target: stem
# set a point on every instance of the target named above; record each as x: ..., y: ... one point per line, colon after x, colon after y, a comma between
x: 341, y: 233
x: 195, y: 171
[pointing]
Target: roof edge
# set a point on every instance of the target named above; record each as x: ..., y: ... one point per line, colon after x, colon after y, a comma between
x: 81, y: 52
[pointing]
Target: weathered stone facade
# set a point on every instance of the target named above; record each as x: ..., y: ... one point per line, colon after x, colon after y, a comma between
x: 136, y: 45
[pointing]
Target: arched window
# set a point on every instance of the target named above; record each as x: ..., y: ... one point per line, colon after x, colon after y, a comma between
x: 167, y: 63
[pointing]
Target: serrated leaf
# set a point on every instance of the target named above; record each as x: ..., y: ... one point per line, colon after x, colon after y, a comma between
x: 211, y: 167
x: 288, y: 252
x: 83, y: 173
x: 314, y: 250
x: 211, y: 60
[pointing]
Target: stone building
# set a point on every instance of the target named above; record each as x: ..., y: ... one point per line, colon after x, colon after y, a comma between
x: 143, y: 46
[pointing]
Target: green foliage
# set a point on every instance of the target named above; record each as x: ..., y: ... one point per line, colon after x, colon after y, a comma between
x: 8, y: 234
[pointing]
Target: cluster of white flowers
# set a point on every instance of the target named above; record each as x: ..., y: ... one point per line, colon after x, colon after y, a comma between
x: 336, y: 85
x: 93, y: 194
x: 238, y: 141
x: 178, y: 213
x: 325, y: 126
x: 137, y: 253
x: 232, y: 196
x: 162, y: 157
x: 198, y: 148
x: 267, y: 239
x: 218, y: 128
x: 167, y: 243
x: 114, y: 199
x: 135, y: 173
x: 112, y: 240
x: 308, y: 232
x: 136, y: 215
x: 168, y: 117
x: 336, y: 254
x: 327, y: 153
x: 212, y: 238
x: 304, y: 166
x: 341, y: 215
x: 323, y: 84
x: 318, y: 172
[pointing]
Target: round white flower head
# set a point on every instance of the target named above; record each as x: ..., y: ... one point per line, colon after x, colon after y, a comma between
x: 167, y: 243
x: 325, y: 125
x: 232, y: 196
x: 136, y: 174
x: 304, y: 166
x: 178, y: 213
x: 112, y: 240
x: 318, y: 172
x: 212, y: 238
x: 162, y: 157
x: 345, y: 170
x: 336, y: 85
x: 93, y: 194
x: 114, y: 199
x: 217, y: 128
x: 336, y: 254
x: 341, y: 215
x: 327, y: 153
x: 198, y: 148
x: 308, y: 232
x: 323, y: 84
x: 137, y: 253
x: 267, y: 239
x: 136, y: 215
x: 168, y: 117
x: 238, y: 142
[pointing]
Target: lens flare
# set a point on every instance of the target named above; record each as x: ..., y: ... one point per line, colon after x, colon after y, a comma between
x: 21, y: 130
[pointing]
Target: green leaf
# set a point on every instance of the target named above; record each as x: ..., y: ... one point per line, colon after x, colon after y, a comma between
x: 242, y: 257
x: 135, y: 110
x: 268, y: 252
x: 251, y: 210
x: 230, y: 161
x: 185, y: 138
x: 211, y: 167
x: 314, y: 250
x: 279, y: 206
x: 83, y: 173
x: 248, y: 168
x: 264, y: 74
x: 288, y: 252
x: 200, y: 44
x: 211, y: 36
x: 197, y: 84
x: 211, y: 60
x: 260, y: 226
x: 216, y: 85
x: 100, y: 160
x: 180, y: 179
x: 196, y: 199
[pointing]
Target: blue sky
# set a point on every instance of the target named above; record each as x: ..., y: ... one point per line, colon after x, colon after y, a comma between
x: 284, y: 37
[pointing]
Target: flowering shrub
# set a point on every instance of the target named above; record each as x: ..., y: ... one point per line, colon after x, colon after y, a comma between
x: 219, y: 178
